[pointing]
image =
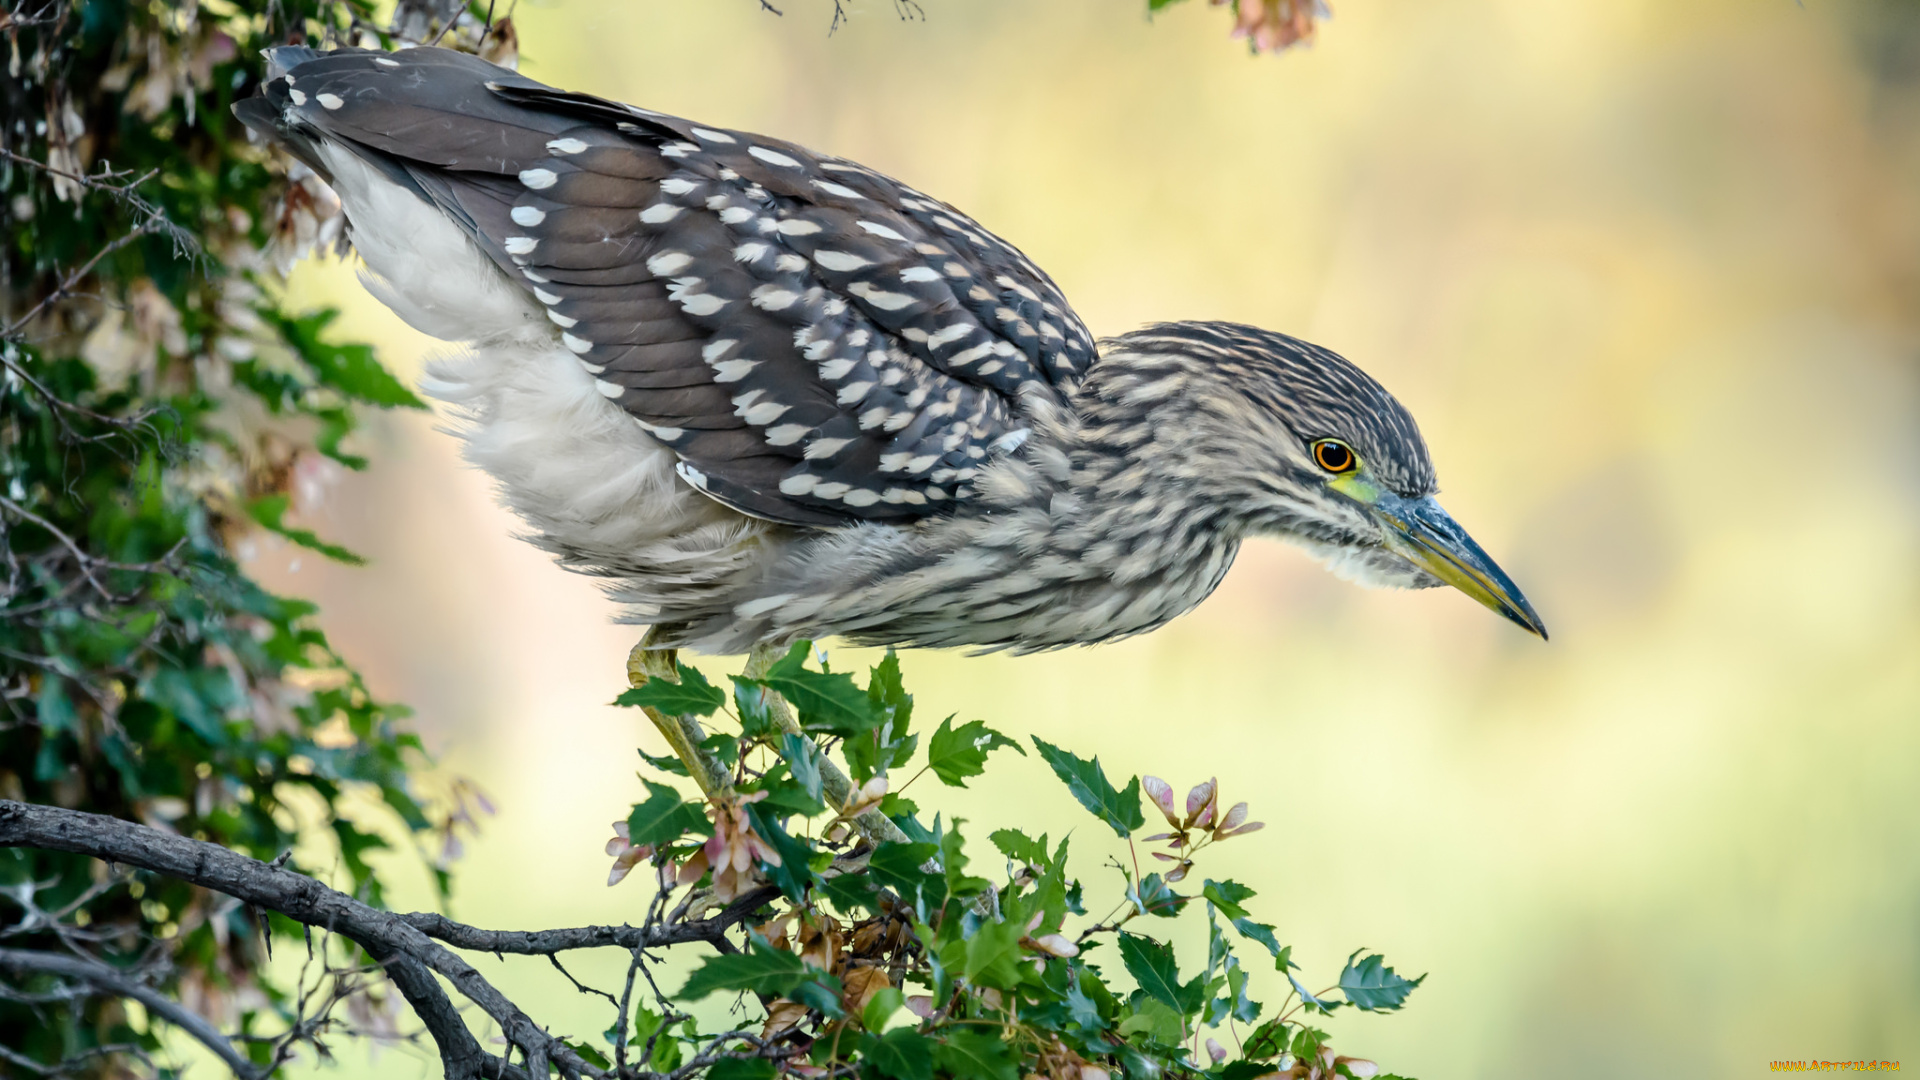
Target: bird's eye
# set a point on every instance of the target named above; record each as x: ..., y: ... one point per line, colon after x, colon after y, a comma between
x: 1334, y: 456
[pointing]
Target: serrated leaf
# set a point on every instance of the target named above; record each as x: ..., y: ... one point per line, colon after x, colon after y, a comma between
x: 829, y: 703
x: 666, y: 764
x: 1234, y: 1002
x: 1312, y: 1003
x: 760, y: 970
x: 975, y: 1055
x: 900, y: 1054
x: 888, y: 696
x: 794, y: 875
x: 803, y: 761
x: 693, y: 695
x: 1373, y: 986
x: 1155, y: 897
x: 953, y: 860
x: 1088, y: 783
x: 786, y: 796
x: 1268, y: 1041
x: 1228, y: 896
x: 664, y: 817
x: 1020, y: 847
x: 1152, y: 965
x: 957, y: 753
x: 898, y: 867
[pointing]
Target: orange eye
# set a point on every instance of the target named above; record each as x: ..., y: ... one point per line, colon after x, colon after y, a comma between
x: 1334, y: 456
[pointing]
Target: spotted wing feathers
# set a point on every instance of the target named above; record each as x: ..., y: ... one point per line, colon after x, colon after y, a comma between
x: 816, y: 342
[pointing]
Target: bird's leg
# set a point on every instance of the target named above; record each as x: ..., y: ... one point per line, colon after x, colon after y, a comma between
x: 837, y: 786
x: 683, y: 733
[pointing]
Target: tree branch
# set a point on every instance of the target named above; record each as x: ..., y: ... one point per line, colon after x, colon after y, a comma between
x: 117, y: 983
x: 387, y: 936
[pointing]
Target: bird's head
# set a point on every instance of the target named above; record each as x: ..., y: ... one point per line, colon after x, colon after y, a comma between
x: 1291, y: 440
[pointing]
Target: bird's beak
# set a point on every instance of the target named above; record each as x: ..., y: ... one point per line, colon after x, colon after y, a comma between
x: 1423, y: 533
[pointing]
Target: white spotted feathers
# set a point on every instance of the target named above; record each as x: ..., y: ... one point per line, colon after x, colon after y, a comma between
x: 817, y: 343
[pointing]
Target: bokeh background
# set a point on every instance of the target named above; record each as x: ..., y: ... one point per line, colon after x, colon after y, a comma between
x: 1649, y: 275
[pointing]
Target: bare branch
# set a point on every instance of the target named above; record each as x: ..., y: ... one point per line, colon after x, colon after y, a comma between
x: 115, y: 982
x: 549, y: 942
x: 388, y: 937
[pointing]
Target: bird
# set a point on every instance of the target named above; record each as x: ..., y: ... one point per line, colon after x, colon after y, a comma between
x: 769, y: 394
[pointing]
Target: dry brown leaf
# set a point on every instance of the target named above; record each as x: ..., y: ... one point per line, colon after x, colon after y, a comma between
x: 781, y: 1015
x: 861, y: 983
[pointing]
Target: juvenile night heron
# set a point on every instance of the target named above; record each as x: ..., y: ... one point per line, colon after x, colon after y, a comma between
x: 773, y: 394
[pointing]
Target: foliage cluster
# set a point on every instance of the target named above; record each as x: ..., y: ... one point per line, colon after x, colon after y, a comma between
x: 907, y: 959
x: 157, y: 411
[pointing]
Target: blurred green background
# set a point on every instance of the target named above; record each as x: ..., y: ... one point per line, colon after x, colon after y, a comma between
x: 1649, y: 275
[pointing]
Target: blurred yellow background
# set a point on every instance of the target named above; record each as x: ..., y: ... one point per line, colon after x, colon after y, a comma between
x: 1649, y: 275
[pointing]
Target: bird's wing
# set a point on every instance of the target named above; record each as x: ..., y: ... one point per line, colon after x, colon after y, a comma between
x: 817, y: 342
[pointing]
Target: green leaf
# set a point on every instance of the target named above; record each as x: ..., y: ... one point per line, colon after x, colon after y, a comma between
x: 785, y: 796
x: 1020, y: 847
x: 1152, y: 965
x: 693, y: 695
x: 664, y: 817
x: 667, y: 764
x: 820, y: 992
x: 850, y: 891
x: 350, y: 369
x: 268, y: 510
x: 1156, y: 1020
x: 881, y: 1007
x: 887, y: 696
x: 760, y: 970
x: 889, y: 744
x: 957, y: 753
x: 588, y: 1052
x: 1156, y: 897
x: 975, y: 1055
x: 993, y: 955
x: 803, y: 761
x: 1312, y: 1003
x: 1088, y: 782
x: 754, y: 704
x: 1234, y: 1002
x: 742, y: 1069
x: 795, y: 872
x: 1082, y: 1009
x: 953, y: 861
x: 1228, y: 896
x: 1267, y: 1042
x: 829, y: 703
x: 1373, y: 986
x: 897, y: 867
x: 901, y: 1054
